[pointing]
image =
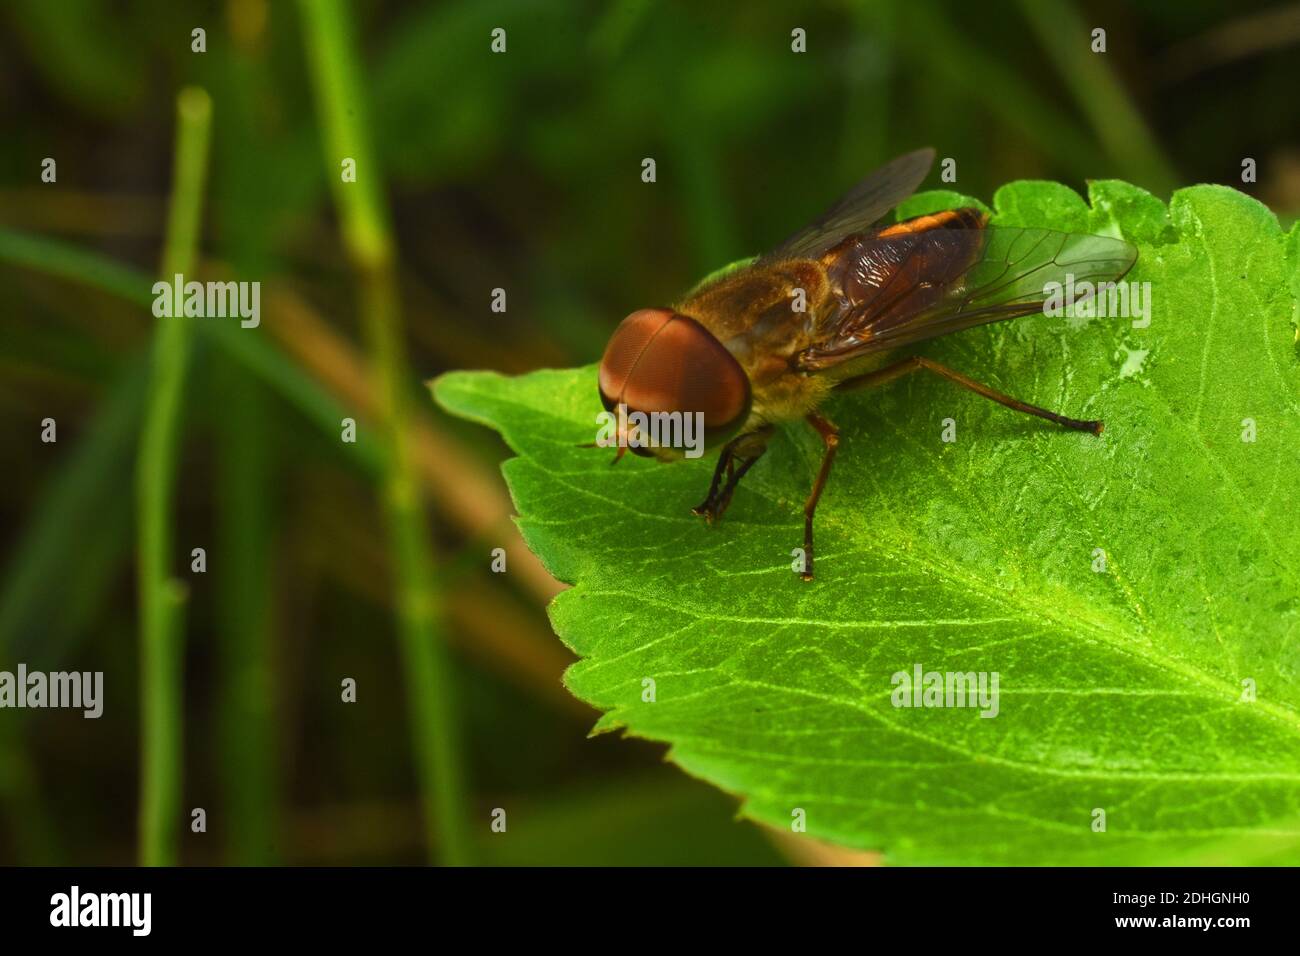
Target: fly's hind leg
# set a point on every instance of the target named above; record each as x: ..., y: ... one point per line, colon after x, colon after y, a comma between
x: 737, y: 457
x: 831, y: 439
x: 915, y: 362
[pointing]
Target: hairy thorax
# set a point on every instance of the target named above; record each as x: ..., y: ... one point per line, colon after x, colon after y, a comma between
x: 765, y: 317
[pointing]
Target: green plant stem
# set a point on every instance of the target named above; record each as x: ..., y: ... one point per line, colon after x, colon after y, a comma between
x: 1099, y: 93
x: 162, y: 598
x: 367, y: 238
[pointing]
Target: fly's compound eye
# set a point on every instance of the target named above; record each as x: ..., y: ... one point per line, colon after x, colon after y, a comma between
x: 625, y: 350
x: 667, y: 366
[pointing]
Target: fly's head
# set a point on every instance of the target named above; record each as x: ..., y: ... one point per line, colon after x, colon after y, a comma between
x: 671, y: 386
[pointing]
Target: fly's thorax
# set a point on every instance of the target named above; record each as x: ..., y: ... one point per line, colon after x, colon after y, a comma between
x: 761, y: 303
x: 765, y: 316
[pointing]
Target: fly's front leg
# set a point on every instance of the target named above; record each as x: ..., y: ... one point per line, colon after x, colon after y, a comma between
x: 737, y: 457
x: 831, y: 439
x: 706, y: 507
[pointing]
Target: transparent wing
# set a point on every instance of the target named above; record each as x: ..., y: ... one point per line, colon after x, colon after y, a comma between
x: 902, y: 289
x: 859, y: 209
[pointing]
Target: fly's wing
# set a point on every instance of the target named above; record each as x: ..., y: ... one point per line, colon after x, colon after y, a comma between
x: 859, y: 209
x: 901, y: 289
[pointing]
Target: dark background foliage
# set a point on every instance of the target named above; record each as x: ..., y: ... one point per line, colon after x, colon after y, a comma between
x: 518, y: 171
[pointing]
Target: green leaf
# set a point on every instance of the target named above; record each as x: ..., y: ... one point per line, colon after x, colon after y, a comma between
x: 1119, y: 689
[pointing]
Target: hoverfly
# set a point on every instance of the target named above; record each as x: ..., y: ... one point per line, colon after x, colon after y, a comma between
x: 828, y: 309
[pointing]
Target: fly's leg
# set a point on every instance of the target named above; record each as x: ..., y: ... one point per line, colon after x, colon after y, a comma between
x: 733, y: 479
x: 899, y: 369
x: 744, y: 450
x: 706, y: 506
x: 831, y: 438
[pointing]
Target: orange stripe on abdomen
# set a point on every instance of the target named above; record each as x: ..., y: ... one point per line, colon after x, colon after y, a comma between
x: 968, y: 218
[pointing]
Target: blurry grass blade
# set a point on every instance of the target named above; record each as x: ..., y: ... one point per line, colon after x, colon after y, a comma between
x: 88, y: 486
x: 56, y: 580
x: 430, y: 692
x: 1099, y: 93
x: 933, y: 41
x: 57, y: 258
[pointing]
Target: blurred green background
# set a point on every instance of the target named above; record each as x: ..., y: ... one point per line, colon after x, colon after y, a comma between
x: 520, y: 171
